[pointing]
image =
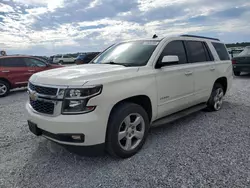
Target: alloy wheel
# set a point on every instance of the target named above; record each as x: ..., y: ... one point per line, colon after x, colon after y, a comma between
x: 131, y: 131
x: 3, y: 89
x: 218, y: 99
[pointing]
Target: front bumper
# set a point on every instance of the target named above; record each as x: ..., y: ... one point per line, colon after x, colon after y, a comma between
x: 92, y: 126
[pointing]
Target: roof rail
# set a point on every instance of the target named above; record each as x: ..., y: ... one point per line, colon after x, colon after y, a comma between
x: 200, y: 37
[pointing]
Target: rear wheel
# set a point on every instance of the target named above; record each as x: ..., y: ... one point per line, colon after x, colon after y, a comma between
x: 127, y: 130
x: 216, y: 99
x: 61, y: 62
x: 236, y: 73
x: 4, y: 88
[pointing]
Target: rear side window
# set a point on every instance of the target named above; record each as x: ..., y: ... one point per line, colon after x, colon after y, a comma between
x: 221, y: 51
x: 175, y: 48
x: 57, y: 56
x: 13, y: 62
x: 197, y: 52
x: 66, y: 56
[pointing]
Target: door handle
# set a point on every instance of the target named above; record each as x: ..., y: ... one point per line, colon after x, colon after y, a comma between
x: 188, y: 73
x: 212, y: 68
x: 5, y: 71
x: 31, y: 70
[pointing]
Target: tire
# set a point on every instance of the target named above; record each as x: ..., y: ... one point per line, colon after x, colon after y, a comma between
x: 121, y: 121
x: 216, y: 99
x: 61, y: 62
x: 5, y: 88
x: 237, y: 73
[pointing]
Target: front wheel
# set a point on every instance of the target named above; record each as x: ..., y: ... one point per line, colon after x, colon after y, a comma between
x: 127, y: 130
x: 216, y: 99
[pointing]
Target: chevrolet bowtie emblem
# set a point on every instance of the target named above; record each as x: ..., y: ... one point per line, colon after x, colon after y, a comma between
x: 33, y: 95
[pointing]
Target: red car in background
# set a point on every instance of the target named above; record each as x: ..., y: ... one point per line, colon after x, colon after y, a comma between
x: 15, y: 71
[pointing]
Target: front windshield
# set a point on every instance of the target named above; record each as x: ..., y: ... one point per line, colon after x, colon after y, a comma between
x: 245, y: 52
x: 136, y: 53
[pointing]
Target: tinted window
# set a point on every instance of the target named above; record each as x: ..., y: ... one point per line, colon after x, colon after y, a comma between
x: 13, y: 62
x: 57, y: 56
x: 66, y: 56
x: 175, y: 48
x: 221, y: 51
x: 30, y: 62
x: 196, y: 52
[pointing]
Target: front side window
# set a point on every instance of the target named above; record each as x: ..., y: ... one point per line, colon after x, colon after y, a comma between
x: 196, y: 52
x: 221, y: 51
x: 30, y: 62
x: 175, y: 48
x: 66, y: 56
x: 135, y: 53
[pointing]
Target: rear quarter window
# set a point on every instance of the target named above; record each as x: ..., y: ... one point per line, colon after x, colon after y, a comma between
x: 221, y: 51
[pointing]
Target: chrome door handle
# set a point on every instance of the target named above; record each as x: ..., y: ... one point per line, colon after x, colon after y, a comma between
x: 5, y: 71
x: 31, y: 70
x: 212, y: 68
x: 188, y: 73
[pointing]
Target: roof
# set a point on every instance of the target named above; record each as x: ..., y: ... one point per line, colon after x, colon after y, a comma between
x: 8, y: 56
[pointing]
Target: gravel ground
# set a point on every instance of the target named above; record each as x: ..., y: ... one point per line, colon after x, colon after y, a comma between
x: 200, y: 150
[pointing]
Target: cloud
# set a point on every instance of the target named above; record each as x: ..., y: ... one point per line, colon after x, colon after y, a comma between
x: 61, y: 26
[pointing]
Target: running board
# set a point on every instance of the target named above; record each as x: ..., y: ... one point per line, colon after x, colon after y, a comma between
x: 178, y: 115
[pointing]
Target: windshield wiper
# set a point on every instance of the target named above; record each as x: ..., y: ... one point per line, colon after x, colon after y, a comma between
x: 114, y: 63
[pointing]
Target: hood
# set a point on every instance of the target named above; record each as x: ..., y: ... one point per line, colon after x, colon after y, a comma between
x: 81, y: 74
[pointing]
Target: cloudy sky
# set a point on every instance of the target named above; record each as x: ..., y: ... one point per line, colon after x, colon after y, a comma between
x: 46, y: 27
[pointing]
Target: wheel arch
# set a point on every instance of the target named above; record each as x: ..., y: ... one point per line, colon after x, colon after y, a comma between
x: 5, y: 80
x: 223, y: 81
x: 143, y: 100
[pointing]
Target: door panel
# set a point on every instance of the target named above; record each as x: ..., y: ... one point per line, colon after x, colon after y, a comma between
x: 35, y: 65
x: 202, y: 63
x: 204, y: 78
x: 175, y: 83
x: 175, y: 89
x: 16, y: 71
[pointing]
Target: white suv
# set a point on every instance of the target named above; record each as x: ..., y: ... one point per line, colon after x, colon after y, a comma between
x: 63, y: 59
x: 112, y: 102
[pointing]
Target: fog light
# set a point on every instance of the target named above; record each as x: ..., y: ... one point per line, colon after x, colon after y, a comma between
x: 78, y: 137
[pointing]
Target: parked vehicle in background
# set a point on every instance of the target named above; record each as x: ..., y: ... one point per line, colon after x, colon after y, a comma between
x: 47, y: 59
x: 234, y: 53
x: 63, y: 59
x: 241, y: 63
x: 86, y: 58
x: 51, y: 60
x: 15, y: 71
x: 112, y: 102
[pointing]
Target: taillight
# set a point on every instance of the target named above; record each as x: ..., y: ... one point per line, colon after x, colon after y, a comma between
x: 233, y: 61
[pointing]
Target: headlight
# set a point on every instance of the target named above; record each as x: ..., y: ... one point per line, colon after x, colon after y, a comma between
x: 75, y: 100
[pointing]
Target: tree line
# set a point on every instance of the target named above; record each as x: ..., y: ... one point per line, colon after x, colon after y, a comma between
x: 242, y: 44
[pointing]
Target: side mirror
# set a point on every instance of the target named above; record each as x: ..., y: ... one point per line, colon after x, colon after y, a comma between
x: 168, y: 60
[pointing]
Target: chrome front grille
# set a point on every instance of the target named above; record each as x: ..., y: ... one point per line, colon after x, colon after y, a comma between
x: 43, y: 90
x: 43, y: 99
x: 43, y: 107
